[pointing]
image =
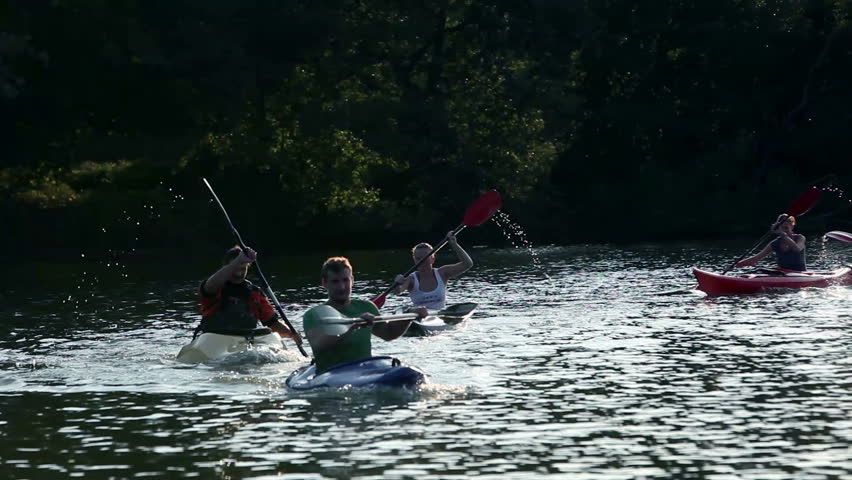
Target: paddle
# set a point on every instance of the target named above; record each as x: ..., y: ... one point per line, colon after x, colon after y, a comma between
x: 839, y: 236
x: 381, y: 319
x: 799, y: 207
x: 459, y: 310
x: 477, y: 213
x: 267, y: 289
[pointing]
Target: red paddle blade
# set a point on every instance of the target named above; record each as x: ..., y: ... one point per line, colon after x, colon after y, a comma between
x: 483, y: 208
x: 805, y: 202
x: 380, y: 301
x: 839, y: 236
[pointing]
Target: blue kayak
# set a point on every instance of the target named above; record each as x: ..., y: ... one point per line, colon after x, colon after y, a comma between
x: 367, y: 372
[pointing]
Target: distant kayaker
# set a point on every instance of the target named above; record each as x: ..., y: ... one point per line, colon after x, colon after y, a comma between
x: 229, y: 302
x: 789, y: 247
x: 336, y: 344
x: 427, y: 286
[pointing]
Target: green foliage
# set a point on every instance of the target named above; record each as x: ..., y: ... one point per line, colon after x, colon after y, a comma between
x: 365, y: 115
x: 46, y: 192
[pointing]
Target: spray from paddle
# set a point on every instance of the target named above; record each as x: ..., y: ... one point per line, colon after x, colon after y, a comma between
x: 838, y: 192
x: 838, y: 236
x: 518, y: 238
x: 111, y: 265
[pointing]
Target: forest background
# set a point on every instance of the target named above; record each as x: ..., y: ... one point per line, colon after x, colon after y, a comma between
x: 323, y: 123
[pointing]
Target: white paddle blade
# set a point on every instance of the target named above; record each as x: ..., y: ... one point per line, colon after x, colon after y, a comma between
x: 330, y: 320
x: 839, y: 236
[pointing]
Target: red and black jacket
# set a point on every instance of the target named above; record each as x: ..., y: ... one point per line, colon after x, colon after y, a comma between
x: 236, y: 306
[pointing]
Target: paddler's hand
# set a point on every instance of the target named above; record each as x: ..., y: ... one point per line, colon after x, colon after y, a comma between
x: 247, y: 256
x: 451, y: 238
x: 284, y: 331
x: 289, y: 332
x: 365, y: 320
x: 397, y: 284
x: 292, y: 336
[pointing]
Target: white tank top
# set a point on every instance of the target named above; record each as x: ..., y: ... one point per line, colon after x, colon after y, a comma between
x: 433, y: 300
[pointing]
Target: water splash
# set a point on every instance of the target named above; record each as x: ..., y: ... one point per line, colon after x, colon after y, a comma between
x: 112, y: 264
x: 518, y: 238
x: 831, y: 255
x: 837, y: 191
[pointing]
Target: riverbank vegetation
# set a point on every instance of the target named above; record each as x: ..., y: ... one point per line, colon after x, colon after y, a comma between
x: 374, y: 123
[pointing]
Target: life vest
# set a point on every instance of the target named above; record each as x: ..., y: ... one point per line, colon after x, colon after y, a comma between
x: 237, y: 306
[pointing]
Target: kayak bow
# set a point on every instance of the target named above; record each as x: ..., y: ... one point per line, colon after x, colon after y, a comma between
x: 213, y: 346
x: 386, y: 372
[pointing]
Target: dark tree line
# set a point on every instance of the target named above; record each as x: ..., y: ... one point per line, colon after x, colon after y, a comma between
x: 377, y: 121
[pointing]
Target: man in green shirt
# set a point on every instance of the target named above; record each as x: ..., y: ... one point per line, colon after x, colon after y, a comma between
x: 333, y: 344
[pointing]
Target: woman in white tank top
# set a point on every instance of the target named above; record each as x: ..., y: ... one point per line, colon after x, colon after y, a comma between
x: 427, y: 286
x: 435, y: 299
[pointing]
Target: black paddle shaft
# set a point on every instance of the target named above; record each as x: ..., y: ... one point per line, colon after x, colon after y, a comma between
x: 267, y: 289
x: 756, y: 244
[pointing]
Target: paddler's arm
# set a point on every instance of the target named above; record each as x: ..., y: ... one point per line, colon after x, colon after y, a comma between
x: 456, y: 269
x: 265, y: 312
x: 276, y: 326
x: 392, y: 330
x: 215, y: 282
x: 756, y: 258
x: 402, y: 283
x: 797, y: 243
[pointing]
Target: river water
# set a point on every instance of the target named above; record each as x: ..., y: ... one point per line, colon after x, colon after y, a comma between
x: 572, y: 368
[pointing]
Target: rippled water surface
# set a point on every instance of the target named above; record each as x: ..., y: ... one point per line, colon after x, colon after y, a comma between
x: 573, y: 367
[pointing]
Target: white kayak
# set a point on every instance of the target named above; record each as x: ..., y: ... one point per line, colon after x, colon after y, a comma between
x: 213, y: 346
x: 439, y: 321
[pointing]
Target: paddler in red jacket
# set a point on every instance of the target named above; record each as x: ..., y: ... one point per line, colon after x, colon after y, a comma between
x: 230, y: 303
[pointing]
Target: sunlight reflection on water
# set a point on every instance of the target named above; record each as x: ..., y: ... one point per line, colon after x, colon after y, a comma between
x: 585, y: 375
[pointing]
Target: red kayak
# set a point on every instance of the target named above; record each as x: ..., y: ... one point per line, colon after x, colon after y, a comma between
x: 716, y: 284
